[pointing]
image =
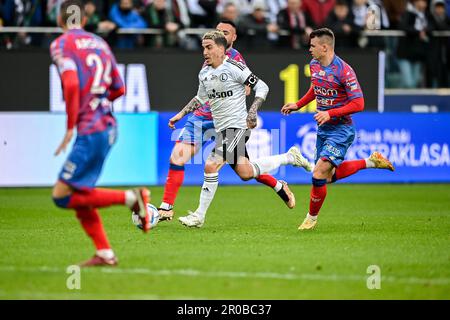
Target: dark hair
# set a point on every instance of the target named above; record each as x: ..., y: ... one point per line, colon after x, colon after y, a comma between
x: 66, y: 14
x: 341, y: 3
x: 323, y: 32
x: 225, y: 21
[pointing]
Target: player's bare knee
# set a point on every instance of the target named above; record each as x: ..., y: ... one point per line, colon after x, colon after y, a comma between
x: 244, y: 173
x: 320, y: 173
x: 245, y: 177
x: 322, y: 170
x: 177, y: 161
x: 210, y: 167
x: 61, y: 195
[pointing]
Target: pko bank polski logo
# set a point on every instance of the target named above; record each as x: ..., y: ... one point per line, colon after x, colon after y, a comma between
x: 397, y: 144
x: 401, y: 149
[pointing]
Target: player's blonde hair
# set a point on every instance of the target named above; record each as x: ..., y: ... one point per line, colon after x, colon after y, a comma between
x: 217, y: 36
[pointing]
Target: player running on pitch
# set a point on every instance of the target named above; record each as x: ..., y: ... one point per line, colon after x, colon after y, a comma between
x: 91, y: 82
x: 338, y: 94
x: 222, y: 82
x: 193, y: 136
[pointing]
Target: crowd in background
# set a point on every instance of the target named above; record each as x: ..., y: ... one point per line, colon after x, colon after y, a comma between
x: 261, y: 25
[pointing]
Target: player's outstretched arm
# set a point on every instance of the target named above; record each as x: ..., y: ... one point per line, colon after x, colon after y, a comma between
x: 192, y: 105
x: 71, y: 93
x: 355, y: 105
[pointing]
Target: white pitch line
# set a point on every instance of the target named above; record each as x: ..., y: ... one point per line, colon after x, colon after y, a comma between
x: 237, y: 274
x: 79, y: 294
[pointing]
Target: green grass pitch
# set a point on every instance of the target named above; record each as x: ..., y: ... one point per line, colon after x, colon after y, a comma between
x: 249, y: 247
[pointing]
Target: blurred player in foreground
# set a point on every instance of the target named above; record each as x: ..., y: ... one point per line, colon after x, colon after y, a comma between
x: 90, y: 82
x: 222, y: 83
x: 338, y: 94
x: 194, y: 135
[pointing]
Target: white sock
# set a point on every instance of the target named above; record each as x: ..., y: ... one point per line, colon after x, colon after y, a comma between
x: 130, y: 198
x: 268, y: 164
x: 105, y: 253
x: 211, y: 181
x: 311, y: 217
x: 166, y: 206
x: 369, y: 163
x: 278, y: 186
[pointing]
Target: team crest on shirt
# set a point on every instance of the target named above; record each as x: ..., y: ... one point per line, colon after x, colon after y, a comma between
x: 223, y: 77
x: 330, y: 77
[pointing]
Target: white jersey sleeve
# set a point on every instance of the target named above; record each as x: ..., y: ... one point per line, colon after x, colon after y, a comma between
x: 202, y: 94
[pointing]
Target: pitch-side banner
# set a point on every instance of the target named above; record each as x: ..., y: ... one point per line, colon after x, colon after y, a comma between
x: 417, y: 145
x: 166, y: 81
x: 28, y: 142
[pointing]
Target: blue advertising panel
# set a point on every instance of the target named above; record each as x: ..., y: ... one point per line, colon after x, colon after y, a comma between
x: 417, y: 144
x: 28, y: 142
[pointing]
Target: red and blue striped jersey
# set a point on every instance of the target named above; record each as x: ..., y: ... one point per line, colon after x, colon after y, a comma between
x: 95, y: 65
x: 334, y: 86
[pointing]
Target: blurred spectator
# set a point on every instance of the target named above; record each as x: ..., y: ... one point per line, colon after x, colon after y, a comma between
x: 438, y: 16
x: 370, y: 15
x: 274, y: 7
x: 96, y: 22
x: 340, y: 21
x: 165, y: 17
x: 245, y: 6
x: 395, y: 10
x: 124, y: 15
x: 22, y: 13
x: 437, y: 74
x: 447, y: 4
x: 256, y: 26
x: 93, y: 18
x: 1, y: 13
x: 318, y: 10
x: 51, y: 12
x: 230, y: 12
x: 297, y: 23
x: 412, y: 49
x: 203, y: 13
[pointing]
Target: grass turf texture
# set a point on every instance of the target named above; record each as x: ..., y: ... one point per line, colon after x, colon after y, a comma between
x: 249, y: 248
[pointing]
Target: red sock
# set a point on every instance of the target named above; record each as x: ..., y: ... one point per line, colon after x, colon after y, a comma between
x: 92, y: 225
x: 347, y: 168
x: 173, y: 183
x: 268, y: 180
x: 318, y: 195
x: 96, y: 198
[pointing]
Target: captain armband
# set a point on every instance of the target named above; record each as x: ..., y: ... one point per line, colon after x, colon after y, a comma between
x: 251, y: 80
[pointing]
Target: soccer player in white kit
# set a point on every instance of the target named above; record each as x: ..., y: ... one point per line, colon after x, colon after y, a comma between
x: 222, y: 82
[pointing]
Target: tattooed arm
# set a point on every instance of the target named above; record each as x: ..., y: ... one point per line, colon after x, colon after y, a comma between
x: 261, y: 90
x: 252, y: 112
x: 192, y: 105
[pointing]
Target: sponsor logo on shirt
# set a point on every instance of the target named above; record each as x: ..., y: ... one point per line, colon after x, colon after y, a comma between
x: 217, y: 95
x: 325, y: 91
